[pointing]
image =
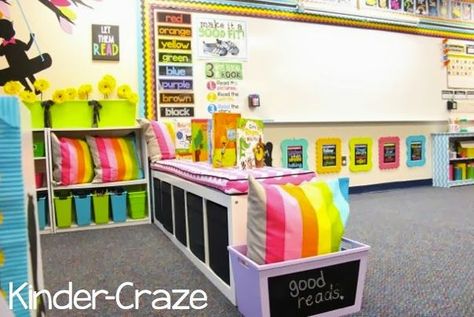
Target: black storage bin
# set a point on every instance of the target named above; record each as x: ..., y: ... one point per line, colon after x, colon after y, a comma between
x: 166, y: 204
x: 218, y: 236
x: 157, y: 199
x: 196, y: 225
x: 179, y: 215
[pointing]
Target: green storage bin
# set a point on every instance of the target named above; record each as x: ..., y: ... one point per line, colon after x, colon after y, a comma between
x: 36, y: 114
x: 71, y: 114
x: 63, y: 208
x: 137, y: 204
x: 100, y: 202
x: 470, y: 172
x: 117, y: 113
x: 38, y: 145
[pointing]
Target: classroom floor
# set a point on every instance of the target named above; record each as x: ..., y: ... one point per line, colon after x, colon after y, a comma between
x: 421, y: 262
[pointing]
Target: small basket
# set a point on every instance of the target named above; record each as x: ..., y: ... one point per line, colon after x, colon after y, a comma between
x: 119, y: 206
x: 42, y: 214
x: 101, y: 208
x: 83, y: 208
x: 137, y: 204
x: 63, y: 207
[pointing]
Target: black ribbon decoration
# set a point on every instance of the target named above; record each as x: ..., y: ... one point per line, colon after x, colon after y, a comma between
x: 96, y: 116
x: 46, y: 112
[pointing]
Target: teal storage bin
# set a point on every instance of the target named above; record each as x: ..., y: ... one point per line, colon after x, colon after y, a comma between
x: 63, y: 207
x: 42, y: 213
x: 119, y: 206
x: 100, y: 203
x: 137, y: 204
x: 82, y: 204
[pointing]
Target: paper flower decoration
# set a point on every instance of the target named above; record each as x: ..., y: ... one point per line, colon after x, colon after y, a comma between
x: 105, y: 87
x: 71, y: 93
x: 41, y: 85
x: 111, y: 80
x: 59, y: 96
x: 84, y: 91
x: 28, y: 96
x: 124, y: 91
x: 133, y: 98
x: 12, y: 87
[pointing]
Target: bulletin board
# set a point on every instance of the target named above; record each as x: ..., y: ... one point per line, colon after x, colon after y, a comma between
x: 306, y: 72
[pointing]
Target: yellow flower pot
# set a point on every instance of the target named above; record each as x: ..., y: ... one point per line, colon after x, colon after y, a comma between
x: 71, y: 114
x: 36, y: 114
x: 117, y: 113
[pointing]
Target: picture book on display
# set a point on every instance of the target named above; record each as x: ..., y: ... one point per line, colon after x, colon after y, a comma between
x: 183, y: 139
x: 209, y: 141
x: 199, y: 140
x: 250, y: 146
x: 224, y: 126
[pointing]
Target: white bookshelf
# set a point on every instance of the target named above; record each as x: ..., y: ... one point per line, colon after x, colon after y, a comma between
x: 55, y: 190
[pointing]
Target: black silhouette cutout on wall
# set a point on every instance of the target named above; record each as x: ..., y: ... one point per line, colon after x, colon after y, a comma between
x: 268, y: 154
x: 21, y: 67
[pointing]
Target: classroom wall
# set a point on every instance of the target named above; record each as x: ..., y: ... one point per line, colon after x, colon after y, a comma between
x: 71, y: 53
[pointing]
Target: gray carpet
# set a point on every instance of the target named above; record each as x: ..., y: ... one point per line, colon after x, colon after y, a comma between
x: 421, y: 262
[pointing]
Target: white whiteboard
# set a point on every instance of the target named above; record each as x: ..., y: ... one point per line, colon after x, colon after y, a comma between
x: 307, y: 72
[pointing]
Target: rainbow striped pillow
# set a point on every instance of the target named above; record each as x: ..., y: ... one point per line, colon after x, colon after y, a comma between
x: 159, y: 139
x: 72, y: 163
x: 294, y: 221
x: 115, y: 159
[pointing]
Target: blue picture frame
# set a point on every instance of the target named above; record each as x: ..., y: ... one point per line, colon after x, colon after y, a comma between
x: 299, y: 148
x: 416, y: 150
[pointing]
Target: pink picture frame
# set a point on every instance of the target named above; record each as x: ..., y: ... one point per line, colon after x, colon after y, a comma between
x: 389, y: 152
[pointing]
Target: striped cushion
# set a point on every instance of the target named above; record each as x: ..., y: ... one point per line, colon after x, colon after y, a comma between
x: 71, y: 160
x: 115, y: 159
x: 159, y: 139
x: 294, y: 221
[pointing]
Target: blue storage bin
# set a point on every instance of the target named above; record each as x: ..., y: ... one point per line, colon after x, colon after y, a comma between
x: 83, y: 208
x: 119, y: 206
x: 42, y: 214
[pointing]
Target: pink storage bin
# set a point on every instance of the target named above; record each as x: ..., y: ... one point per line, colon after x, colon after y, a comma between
x: 39, y: 178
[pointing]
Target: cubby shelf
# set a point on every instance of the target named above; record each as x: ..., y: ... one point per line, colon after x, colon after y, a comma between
x: 88, y: 130
x: 441, y: 145
x: 461, y: 159
x: 46, y: 230
x: 101, y: 185
x: 41, y: 165
x: 51, y: 190
x: 461, y: 182
x: 111, y: 224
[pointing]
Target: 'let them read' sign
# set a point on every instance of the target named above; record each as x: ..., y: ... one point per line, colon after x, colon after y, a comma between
x: 105, y: 42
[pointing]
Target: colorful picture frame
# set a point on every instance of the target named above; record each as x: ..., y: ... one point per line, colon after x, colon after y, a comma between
x: 328, y: 155
x: 360, y: 154
x: 389, y: 152
x: 294, y: 153
x: 416, y: 150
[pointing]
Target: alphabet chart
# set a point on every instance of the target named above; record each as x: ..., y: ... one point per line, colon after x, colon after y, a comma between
x: 460, y: 66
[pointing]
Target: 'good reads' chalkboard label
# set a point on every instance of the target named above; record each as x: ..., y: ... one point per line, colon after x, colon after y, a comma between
x: 314, y: 291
